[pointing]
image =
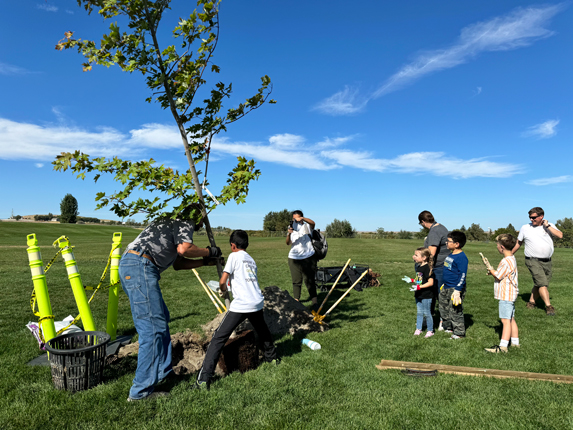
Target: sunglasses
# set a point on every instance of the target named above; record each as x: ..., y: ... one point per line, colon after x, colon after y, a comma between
x: 534, y: 217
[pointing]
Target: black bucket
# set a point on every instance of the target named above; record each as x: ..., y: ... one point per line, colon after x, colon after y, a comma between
x: 77, y: 359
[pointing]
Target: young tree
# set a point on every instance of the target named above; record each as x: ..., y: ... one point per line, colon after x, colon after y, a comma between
x: 69, y: 210
x: 510, y: 229
x: 340, y: 229
x: 277, y: 221
x: 174, y: 76
x: 380, y: 233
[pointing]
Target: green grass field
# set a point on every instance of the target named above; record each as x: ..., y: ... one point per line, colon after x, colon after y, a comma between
x: 337, y: 387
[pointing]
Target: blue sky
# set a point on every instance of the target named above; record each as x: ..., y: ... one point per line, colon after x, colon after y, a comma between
x: 384, y: 110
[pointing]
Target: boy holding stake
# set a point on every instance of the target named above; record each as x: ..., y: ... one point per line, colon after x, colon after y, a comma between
x: 248, y: 302
x: 453, y: 291
x: 505, y: 290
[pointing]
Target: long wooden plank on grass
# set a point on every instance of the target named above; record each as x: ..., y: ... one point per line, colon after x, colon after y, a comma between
x: 475, y: 371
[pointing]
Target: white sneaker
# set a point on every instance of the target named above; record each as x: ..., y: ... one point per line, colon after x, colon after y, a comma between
x: 440, y: 328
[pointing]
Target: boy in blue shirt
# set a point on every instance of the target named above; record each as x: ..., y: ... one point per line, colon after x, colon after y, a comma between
x: 453, y: 291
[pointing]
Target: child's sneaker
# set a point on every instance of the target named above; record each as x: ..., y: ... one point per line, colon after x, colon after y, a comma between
x: 440, y: 327
x: 429, y: 334
x: 455, y: 336
x: 417, y: 332
x: 448, y: 331
x: 496, y: 349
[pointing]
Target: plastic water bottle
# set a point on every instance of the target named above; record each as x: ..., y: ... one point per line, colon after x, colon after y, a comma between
x: 311, y: 344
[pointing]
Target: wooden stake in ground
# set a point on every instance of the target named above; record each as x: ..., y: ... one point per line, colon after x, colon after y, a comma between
x: 210, y: 293
x: 331, y: 289
x: 319, y: 318
x: 475, y: 371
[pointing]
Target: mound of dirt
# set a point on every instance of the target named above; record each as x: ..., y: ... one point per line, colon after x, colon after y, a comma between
x: 283, y: 315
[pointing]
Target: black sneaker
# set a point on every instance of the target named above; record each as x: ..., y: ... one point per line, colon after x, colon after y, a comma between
x: 201, y: 385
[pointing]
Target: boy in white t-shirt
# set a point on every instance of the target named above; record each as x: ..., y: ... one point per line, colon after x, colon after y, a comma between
x: 248, y: 302
x: 505, y: 289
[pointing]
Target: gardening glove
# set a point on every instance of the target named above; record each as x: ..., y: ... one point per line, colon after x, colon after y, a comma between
x: 207, y: 261
x: 214, y: 251
x: 407, y: 279
x: 456, y: 298
x: 415, y: 287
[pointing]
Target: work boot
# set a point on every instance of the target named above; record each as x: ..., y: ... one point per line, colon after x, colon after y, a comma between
x: 550, y: 310
x: 530, y: 305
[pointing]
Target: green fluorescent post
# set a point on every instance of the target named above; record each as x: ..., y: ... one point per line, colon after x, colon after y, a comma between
x: 77, y: 285
x: 114, y: 291
x: 41, y: 287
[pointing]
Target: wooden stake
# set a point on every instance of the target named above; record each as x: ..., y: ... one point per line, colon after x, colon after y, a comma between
x: 475, y: 371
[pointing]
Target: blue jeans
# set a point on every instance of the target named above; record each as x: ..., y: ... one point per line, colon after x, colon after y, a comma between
x: 423, y: 306
x: 140, y: 281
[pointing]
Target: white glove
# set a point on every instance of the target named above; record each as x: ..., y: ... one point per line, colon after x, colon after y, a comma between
x: 414, y: 288
x: 456, y: 298
x: 407, y: 279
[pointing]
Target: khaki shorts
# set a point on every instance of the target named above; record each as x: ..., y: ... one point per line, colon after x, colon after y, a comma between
x: 540, y: 271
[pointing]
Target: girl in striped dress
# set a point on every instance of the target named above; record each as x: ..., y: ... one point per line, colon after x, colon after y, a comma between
x: 505, y: 290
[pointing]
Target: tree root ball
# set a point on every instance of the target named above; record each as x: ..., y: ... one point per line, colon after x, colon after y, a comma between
x: 283, y: 315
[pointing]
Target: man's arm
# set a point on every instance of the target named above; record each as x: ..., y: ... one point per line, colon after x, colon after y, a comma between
x: 554, y: 231
x: 182, y: 263
x: 190, y: 250
x: 299, y: 218
x: 516, y: 247
x: 288, y: 240
x: 433, y: 250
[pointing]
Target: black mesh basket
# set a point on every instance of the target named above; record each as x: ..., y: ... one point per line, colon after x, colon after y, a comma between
x: 77, y: 359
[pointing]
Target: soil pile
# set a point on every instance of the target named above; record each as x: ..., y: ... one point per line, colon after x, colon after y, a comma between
x: 283, y: 315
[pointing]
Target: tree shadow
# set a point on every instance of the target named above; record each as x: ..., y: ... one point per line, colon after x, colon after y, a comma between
x: 468, y: 320
x: 498, y: 328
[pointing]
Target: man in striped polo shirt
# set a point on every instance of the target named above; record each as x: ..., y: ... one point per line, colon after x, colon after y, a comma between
x: 505, y: 290
x: 537, y: 236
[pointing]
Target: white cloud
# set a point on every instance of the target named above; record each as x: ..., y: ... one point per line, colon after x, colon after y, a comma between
x: 286, y: 141
x: 25, y: 141
x: 39, y: 165
x: 35, y: 142
x: 544, y: 130
x: 521, y: 27
x: 269, y: 153
x: 550, y: 181
x: 433, y: 163
x: 69, y: 12
x: 345, y: 102
x: 156, y: 136
x: 47, y: 7
x: 9, y: 69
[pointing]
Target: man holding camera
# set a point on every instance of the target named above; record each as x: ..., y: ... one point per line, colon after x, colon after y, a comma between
x: 537, y: 236
x: 301, y: 259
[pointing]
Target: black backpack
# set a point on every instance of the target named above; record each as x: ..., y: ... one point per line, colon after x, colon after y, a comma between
x: 319, y: 244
